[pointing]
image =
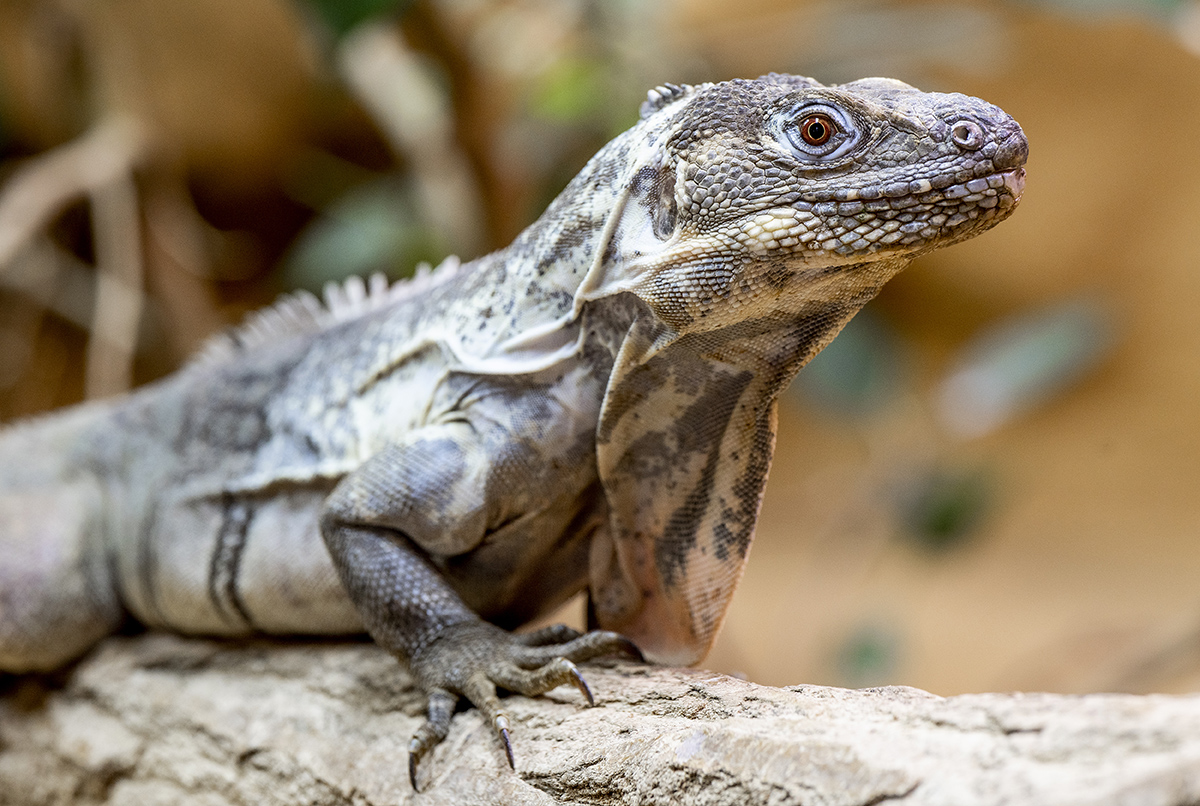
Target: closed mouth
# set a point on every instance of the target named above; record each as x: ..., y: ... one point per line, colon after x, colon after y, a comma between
x: 1014, y: 180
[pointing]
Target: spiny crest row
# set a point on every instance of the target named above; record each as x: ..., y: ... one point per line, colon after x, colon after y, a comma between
x: 301, y: 312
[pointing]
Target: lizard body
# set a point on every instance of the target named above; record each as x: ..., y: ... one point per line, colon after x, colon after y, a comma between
x: 445, y: 459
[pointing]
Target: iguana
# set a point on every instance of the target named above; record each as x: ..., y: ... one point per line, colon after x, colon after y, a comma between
x: 441, y: 460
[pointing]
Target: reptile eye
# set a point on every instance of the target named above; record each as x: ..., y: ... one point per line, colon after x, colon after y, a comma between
x: 817, y: 129
x: 817, y: 133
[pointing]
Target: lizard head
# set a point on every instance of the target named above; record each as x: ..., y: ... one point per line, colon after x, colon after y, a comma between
x: 754, y: 197
x: 756, y: 218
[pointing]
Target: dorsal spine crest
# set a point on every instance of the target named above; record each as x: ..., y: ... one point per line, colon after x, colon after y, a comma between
x: 663, y: 95
x: 301, y: 312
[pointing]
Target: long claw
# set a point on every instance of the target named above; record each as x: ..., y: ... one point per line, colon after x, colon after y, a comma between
x: 412, y: 764
x: 439, y: 709
x: 582, y: 685
x: 501, y: 725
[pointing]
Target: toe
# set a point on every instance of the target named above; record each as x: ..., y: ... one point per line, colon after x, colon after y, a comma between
x: 595, y: 644
x: 532, y: 682
x: 481, y: 691
x: 554, y: 634
x: 440, y: 709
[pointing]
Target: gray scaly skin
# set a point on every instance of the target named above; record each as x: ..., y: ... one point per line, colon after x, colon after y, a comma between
x: 443, y: 460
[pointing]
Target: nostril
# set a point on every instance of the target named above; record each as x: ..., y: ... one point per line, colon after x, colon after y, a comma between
x: 1012, y: 152
x: 967, y: 134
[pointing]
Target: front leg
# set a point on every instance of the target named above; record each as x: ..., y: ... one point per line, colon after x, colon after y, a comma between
x: 427, y: 492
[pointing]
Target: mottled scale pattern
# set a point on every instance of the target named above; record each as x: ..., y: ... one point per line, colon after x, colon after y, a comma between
x: 590, y: 408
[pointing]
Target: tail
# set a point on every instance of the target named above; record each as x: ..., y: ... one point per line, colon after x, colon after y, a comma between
x: 57, y: 596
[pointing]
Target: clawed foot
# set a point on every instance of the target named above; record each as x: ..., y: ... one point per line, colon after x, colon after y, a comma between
x: 472, y: 659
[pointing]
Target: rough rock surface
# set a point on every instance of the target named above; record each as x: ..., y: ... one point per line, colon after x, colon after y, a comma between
x: 163, y: 720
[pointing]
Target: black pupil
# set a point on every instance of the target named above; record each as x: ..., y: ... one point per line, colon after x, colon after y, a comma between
x: 816, y: 130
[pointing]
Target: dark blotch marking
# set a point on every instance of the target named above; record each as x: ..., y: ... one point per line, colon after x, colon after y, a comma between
x: 225, y: 567
x: 700, y: 428
x: 654, y: 188
x: 756, y: 358
x: 227, y: 411
x: 573, y: 234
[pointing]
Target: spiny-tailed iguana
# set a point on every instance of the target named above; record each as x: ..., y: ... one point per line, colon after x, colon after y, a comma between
x: 442, y: 460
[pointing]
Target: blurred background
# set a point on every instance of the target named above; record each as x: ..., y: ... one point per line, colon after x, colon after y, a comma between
x: 989, y: 482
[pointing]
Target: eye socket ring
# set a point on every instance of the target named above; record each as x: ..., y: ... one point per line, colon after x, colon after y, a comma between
x: 817, y: 129
x: 818, y: 133
x: 967, y: 135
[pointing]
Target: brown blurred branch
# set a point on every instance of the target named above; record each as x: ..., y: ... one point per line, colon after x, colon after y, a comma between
x: 45, y: 185
x: 116, y: 232
x: 98, y: 165
x: 415, y: 116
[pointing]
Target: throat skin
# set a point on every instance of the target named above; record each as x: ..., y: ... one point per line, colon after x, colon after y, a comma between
x: 684, y: 444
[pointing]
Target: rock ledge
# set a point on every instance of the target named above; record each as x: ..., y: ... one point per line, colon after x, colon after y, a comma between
x: 158, y: 719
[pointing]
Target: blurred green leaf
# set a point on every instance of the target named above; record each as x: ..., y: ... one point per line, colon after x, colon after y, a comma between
x: 1095, y: 8
x: 869, y: 656
x: 573, y: 90
x: 317, y: 178
x: 371, y: 228
x: 859, y: 371
x: 943, y: 507
x: 1021, y: 362
x: 342, y: 16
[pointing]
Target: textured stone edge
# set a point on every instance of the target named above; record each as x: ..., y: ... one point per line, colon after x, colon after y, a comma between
x: 159, y: 719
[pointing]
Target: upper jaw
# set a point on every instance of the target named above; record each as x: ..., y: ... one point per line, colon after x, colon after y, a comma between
x: 923, y: 216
